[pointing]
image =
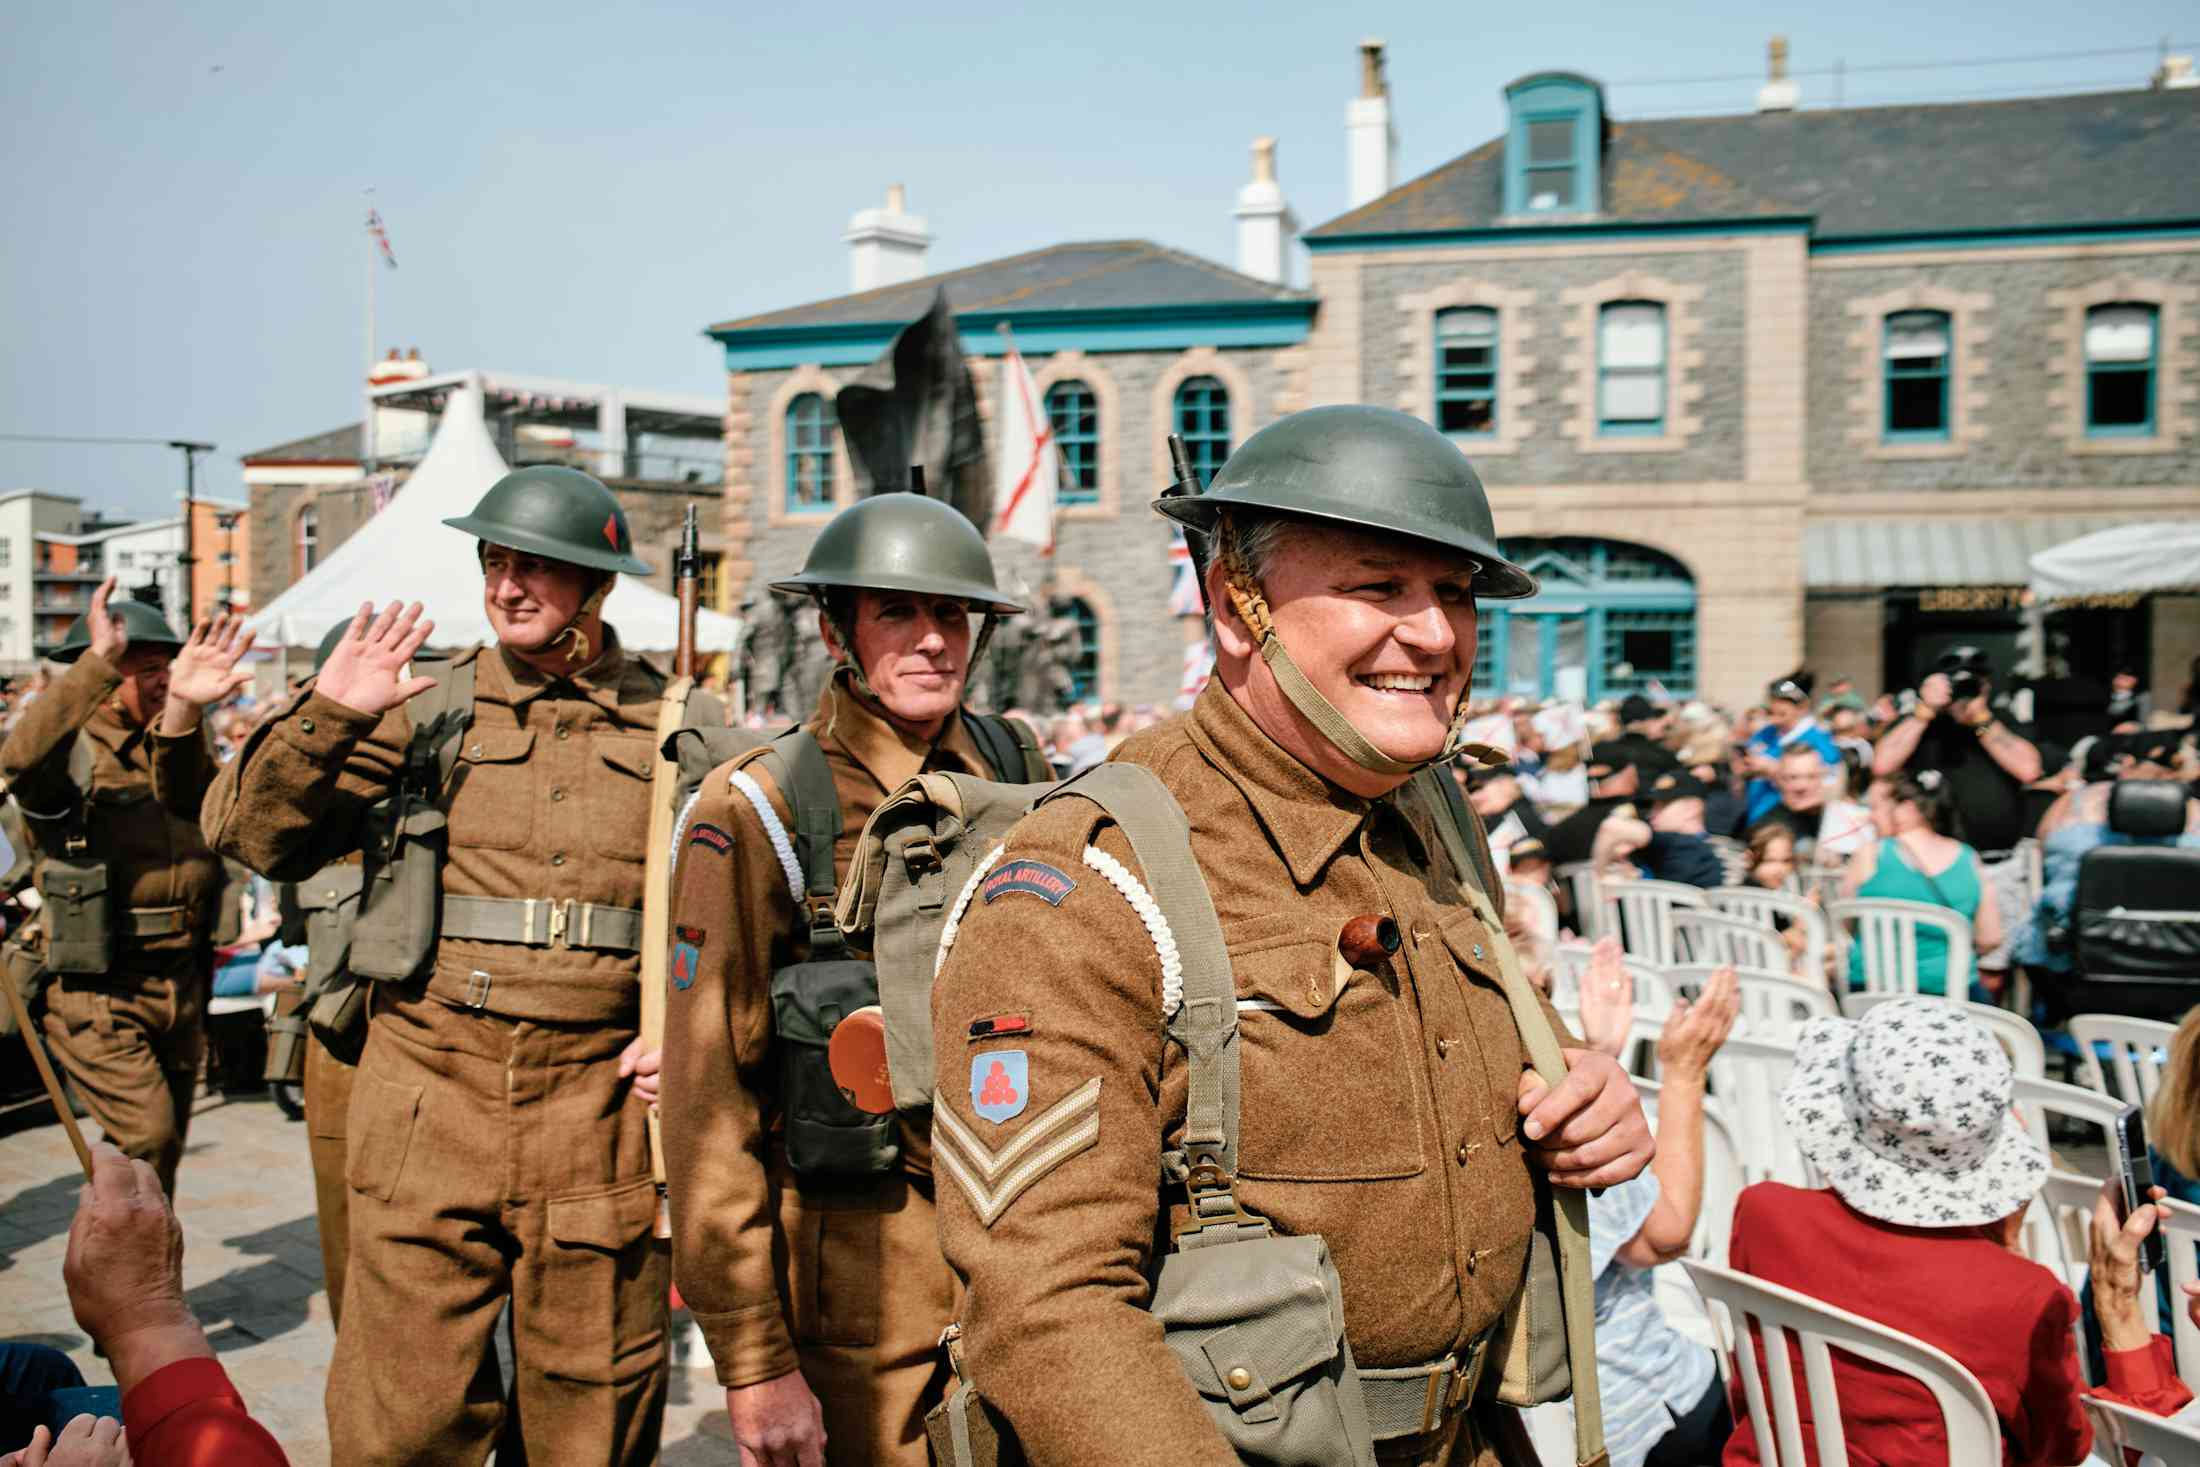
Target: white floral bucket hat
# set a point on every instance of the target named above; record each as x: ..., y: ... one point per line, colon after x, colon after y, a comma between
x: 1906, y: 1115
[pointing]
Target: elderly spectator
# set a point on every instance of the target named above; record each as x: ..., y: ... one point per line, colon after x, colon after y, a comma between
x: 1800, y: 804
x: 1663, y: 1403
x: 1787, y: 724
x: 1671, y: 844
x: 1916, y: 860
x: 1906, y: 1113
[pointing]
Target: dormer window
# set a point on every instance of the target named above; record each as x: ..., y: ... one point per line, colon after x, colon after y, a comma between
x: 1553, y: 147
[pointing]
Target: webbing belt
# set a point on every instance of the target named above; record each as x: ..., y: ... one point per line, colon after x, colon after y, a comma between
x: 1414, y: 1400
x: 156, y: 921
x: 543, y: 922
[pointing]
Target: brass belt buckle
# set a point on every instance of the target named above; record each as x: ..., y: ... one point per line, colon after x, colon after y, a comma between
x: 561, y: 917
x: 1450, y: 1381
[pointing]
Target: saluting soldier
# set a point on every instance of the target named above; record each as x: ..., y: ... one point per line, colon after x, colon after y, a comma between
x: 108, y: 768
x: 1384, y: 1106
x: 803, y: 1232
x: 498, y: 1147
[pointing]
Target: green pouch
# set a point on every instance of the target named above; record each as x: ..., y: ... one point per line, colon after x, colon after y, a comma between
x: 394, y: 934
x: 827, y: 1138
x: 338, y: 1018
x: 287, y: 1039
x: 79, y: 917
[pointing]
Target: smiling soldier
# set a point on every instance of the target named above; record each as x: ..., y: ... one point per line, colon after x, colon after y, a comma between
x: 1383, y: 1103
x: 498, y: 1129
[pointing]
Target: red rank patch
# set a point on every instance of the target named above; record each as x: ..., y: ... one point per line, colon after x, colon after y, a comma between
x: 997, y: 1026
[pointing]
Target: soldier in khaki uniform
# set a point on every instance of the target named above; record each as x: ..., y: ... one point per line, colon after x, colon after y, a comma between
x: 498, y: 1146
x: 108, y: 767
x: 1384, y: 1104
x: 822, y: 1297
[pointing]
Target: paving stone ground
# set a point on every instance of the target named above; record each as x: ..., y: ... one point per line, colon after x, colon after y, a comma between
x: 251, y: 1271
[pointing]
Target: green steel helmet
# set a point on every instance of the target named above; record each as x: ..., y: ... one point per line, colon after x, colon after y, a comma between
x: 559, y: 513
x: 1368, y: 467
x: 141, y: 621
x: 903, y: 542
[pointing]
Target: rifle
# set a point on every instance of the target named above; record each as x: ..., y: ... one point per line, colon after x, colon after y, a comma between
x: 657, y: 871
x: 1188, y: 483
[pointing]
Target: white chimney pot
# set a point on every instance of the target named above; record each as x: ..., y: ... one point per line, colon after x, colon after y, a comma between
x: 1266, y: 226
x: 1371, y: 143
x: 886, y: 246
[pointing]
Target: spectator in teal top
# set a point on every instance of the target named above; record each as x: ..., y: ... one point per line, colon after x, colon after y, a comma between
x: 1916, y: 859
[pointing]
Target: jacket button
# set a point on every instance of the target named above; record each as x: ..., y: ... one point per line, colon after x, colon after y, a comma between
x: 557, y: 793
x: 1478, y: 949
x: 1462, y: 1153
x: 474, y: 752
x: 305, y: 725
x: 563, y: 731
x: 558, y: 859
x: 1444, y: 1048
x: 1240, y: 1379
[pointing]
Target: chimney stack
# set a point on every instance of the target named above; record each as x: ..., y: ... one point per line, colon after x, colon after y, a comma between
x: 1266, y: 226
x: 1779, y: 93
x: 1371, y: 143
x: 886, y: 246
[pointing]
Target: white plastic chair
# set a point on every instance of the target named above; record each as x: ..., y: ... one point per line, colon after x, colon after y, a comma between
x: 2181, y: 1242
x: 1542, y: 910
x: 1779, y: 1315
x: 2036, y: 1100
x: 1886, y: 932
x: 1760, y: 905
x: 1722, y: 937
x: 1722, y: 1172
x: 1747, y: 1076
x: 2138, y: 1051
x: 1733, y: 857
x: 1642, y: 912
x: 2055, y: 1236
x: 1774, y: 1006
x: 2119, y: 1428
x: 1581, y: 882
x: 2027, y: 1051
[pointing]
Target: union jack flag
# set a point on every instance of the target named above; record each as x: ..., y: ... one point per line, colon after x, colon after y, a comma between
x: 1184, y: 587
x: 381, y: 237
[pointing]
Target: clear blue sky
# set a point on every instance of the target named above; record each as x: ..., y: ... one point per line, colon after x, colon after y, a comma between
x: 576, y: 190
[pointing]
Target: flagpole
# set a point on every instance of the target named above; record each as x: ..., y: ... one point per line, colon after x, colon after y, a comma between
x: 366, y: 380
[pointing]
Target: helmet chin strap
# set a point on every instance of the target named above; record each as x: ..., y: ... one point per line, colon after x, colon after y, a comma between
x: 580, y: 654
x: 1252, y: 609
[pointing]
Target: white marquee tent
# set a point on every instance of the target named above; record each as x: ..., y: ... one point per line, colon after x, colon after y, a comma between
x: 2127, y: 560
x: 407, y: 553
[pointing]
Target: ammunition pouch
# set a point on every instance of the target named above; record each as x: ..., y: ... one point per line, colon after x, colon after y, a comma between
x: 332, y: 998
x: 394, y: 933
x: 827, y: 1138
x: 79, y: 915
x: 287, y: 1032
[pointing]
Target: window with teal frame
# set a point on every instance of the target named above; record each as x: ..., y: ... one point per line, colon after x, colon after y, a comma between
x: 1553, y: 145
x: 1083, y: 661
x: 810, y: 430
x: 1918, y: 349
x: 2120, y: 350
x: 1466, y: 371
x: 1203, y: 418
x: 1075, y: 414
x: 1624, y: 615
x: 1642, y: 647
x: 1631, y: 368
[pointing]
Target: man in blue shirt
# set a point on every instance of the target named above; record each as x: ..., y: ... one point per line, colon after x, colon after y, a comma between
x: 1788, y: 702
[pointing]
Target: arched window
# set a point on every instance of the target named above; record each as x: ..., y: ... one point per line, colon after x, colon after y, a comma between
x: 810, y: 429
x: 1631, y: 367
x: 1075, y: 414
x: 309, y: 539
x: 1203, y: 418
x: 1466, y: 371
x: 2119, y: 369
x: 1612, y: 618
x: 1918, y: 351
x: 1082, y: 657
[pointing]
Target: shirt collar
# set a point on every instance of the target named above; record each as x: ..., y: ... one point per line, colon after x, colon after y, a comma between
x: 519, y: 682
x: 885, y: 752
x: 1307, y: 819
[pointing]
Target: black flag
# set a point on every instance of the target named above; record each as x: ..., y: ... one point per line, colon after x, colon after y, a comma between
x: 917, y: 405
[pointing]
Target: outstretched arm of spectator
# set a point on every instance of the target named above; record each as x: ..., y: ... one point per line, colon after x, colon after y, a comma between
x: 1618, y: 838
x: 124, y: 1272
x: 1693, y: 1034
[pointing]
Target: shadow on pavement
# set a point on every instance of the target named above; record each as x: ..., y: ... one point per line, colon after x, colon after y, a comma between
x: 711, y: 1443
x: 260, y: 1301
x: 42, y: 1211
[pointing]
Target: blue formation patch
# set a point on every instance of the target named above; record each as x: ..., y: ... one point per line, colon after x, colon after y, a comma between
x: 687, y: 957
x: 1000, y: 1084
x: 1050, y: 883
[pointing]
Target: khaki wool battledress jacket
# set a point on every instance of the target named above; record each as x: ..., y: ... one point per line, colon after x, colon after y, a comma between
x: 1381, y: 1116
x: 844, y: 1281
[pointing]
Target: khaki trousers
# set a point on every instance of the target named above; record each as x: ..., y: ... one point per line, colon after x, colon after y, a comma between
x: 328, y: 1105
x: 869, y: 1292
x: 494, y: 1159
x: 131, y: 1045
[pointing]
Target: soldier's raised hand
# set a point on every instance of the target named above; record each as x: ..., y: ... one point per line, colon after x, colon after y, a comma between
x: 366, y: 671
x: 110, y: 638
x: 206, y: 671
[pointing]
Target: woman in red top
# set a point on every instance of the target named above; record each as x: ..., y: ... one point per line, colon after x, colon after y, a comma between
x: 1906, y: 1114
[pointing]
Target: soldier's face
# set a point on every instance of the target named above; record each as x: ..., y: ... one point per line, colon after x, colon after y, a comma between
x: 529, y: 598
x: 915, y: 651
x: 144, y: 681
x: 1384, y: 628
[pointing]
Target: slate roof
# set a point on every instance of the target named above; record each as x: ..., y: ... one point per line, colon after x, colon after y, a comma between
x: 1117, y: 274
x: 2101, y: 159
x: 336, y: 446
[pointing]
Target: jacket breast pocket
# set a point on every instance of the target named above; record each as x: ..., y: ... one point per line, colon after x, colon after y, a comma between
x: 493, y: 790
x: 617, y: 797
x: 1327, y: 1092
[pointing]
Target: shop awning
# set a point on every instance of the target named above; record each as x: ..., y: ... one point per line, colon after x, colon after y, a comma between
x: 2128, y: 560
x: 1867, y: 554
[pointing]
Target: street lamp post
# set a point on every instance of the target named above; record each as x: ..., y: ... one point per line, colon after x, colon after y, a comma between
x: 187, y: 560
x: 227, y: 522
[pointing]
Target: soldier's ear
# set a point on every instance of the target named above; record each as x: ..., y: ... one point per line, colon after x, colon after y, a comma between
x: 1232, y: 637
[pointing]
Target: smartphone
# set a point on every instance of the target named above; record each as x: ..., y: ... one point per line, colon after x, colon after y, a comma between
x: 2135, y: 1169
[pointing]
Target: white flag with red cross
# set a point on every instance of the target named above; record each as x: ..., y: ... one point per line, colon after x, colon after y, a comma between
x: 1029, y: 464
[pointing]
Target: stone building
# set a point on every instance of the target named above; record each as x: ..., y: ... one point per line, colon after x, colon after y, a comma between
x: 1749, y: 391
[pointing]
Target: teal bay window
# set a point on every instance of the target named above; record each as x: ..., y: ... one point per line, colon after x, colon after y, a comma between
x: 1631, y: 346
x: 2120, y: 349
x: 810, y: 429
x: 1918, y: 352
x: 1203, y: 418
x: 1466, y: 372
x: 1075, y: 414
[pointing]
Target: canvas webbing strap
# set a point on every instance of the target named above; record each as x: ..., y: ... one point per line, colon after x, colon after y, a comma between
x: 1206, y: 1024
x: 1569, y: 1205
x: 997, y: 745
x: 542, y: 922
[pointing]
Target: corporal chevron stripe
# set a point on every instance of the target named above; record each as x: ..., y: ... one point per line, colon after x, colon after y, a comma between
x: 993, y: 1179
